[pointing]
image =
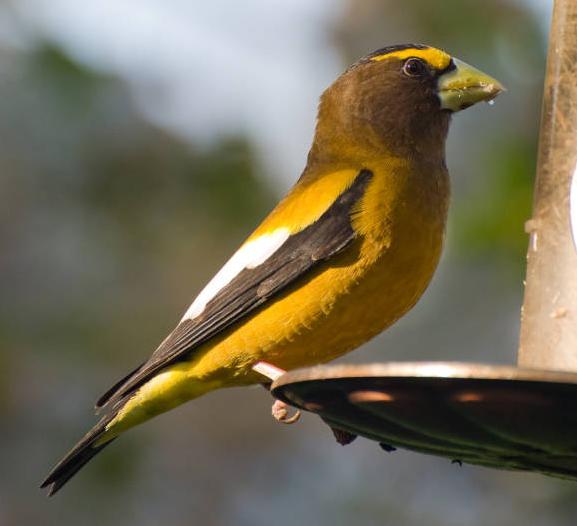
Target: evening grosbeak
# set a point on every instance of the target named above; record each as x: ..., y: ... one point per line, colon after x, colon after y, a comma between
x: 346, y: 253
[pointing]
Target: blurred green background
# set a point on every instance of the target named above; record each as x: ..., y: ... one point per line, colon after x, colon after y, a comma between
x: 139, y: 143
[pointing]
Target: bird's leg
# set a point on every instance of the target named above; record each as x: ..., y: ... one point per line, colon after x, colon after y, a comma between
x: 279, y: 408
x: 272, y: 372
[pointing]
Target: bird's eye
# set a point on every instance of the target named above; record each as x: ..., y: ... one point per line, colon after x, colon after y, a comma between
x: 414, y: 67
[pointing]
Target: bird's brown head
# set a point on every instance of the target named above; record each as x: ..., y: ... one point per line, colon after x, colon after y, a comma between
x: 400, y: 98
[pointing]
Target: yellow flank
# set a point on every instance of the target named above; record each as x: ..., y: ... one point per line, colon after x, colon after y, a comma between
x: 335, y: 308
x: 437, y: 58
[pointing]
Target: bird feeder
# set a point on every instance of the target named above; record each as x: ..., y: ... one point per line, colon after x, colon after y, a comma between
x: 521, y: 418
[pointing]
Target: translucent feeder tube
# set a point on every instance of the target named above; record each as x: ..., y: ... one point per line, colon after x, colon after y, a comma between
x: 549, y: 314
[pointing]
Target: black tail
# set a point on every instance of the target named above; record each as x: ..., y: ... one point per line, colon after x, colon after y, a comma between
x: 105, y: 398
x: 80, y: 454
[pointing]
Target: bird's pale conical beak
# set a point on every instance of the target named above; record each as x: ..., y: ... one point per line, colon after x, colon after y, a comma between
x: 464, y: 86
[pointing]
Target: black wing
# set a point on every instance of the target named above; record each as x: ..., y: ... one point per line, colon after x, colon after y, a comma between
x: 251, y: 288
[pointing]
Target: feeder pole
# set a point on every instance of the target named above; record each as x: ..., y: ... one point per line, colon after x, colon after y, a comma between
x: 549, y: 314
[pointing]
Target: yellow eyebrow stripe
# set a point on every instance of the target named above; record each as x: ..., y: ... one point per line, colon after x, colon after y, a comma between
x: 435, y: 57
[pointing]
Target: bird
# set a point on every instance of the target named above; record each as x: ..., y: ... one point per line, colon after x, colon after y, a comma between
x: 348, y: 251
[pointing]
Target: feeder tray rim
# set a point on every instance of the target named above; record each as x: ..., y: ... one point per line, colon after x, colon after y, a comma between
x: 429, y: 369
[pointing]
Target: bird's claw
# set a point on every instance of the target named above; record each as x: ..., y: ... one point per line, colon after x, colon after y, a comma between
x: 279, y: 409
x: 280, y: 413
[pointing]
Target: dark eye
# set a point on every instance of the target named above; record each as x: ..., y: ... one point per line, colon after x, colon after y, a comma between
x: 414, y: 67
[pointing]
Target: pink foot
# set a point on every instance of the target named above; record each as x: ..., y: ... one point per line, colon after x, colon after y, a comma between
x: 279, y: 409
x: 280, y: 413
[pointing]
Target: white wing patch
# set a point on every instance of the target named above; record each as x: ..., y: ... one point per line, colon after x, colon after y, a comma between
x: 250, y: 255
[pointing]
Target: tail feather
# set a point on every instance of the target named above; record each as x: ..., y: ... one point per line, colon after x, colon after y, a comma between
x: 104, y: 399
x: 80, y: 454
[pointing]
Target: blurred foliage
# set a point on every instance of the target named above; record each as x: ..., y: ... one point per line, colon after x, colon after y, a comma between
x: 490, y: 222
x: 102, y: 187
x: 72, y: 84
